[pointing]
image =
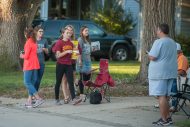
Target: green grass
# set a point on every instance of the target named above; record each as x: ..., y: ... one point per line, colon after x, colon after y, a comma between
x: 12, y: 81
x: 184, y: 123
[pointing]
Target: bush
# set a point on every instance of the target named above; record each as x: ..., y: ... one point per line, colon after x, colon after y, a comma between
x: 184, y: 41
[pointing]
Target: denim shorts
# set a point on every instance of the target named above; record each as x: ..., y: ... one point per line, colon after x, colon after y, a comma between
x: 161, y: 87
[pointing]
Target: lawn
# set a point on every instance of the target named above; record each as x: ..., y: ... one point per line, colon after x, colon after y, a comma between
x: 184, y: 123
x: 122, y: 72
x: 118, y: 70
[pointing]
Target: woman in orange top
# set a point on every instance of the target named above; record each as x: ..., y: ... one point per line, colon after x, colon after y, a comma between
x: 30, y: 67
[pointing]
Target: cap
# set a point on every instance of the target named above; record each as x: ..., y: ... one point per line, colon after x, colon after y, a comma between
x: 178, y: 46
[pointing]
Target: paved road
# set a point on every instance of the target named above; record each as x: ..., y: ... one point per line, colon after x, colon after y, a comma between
x: 121, y: 112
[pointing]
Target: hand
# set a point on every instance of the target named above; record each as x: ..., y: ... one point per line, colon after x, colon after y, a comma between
x: 93, y: 49
x: 69, y: 51
x: 76, y: 51
x: 80, y: 63
x: 45, y: 50
x: 21, y: 56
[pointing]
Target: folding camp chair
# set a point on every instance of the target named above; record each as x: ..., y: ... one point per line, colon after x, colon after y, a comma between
x: 103, y: 81
x: 183, y: 95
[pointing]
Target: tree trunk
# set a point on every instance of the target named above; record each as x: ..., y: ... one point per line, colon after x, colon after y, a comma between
x: 15, y: 16
x: 154, y: 12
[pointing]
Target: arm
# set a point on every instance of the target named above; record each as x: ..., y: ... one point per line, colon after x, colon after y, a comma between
x: 154, y: 52
x: 182, y: 72
x: 80, y: 60
x: 80, y: 45
x: 45, y: 49
x: 61, y: 54
x: 79, y: 56
x: 152, y: 58
x: 182, y: 65
x: 27, y: 50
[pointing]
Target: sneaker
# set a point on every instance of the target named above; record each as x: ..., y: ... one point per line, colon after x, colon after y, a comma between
x: 57, y: 102
x: 66, y: 101
x: 28, y: 105
x: 76, y: 101
x: 157, y: 122
x: 170, y: 120
x: 38, y: 103
x: 156, y: 105
x: 83, y: 97
x: 161, y: 122
x: 33, y: 101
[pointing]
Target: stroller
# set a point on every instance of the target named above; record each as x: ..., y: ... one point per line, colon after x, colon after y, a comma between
x: 103, y: 81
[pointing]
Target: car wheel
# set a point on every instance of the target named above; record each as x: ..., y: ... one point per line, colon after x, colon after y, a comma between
x: 120, y: 53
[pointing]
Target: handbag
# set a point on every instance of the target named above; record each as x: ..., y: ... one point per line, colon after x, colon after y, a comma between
x: 95, y: 97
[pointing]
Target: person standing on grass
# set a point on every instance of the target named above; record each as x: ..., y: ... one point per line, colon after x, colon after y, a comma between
x: 30, y: 67
x: 63, y: 49
x: 64, y: 83
x: 84, y: 64
x: 42, y: 48
x: 162, y: 71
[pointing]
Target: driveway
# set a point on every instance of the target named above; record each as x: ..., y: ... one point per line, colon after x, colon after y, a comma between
x: 121, y: 112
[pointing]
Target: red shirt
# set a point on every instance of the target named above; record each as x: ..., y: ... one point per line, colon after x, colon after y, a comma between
x: 30, y: 56
x: 63, y: 46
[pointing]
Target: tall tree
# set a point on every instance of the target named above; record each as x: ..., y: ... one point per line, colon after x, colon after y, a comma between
x: 154, y: 12
x: 15, y: 16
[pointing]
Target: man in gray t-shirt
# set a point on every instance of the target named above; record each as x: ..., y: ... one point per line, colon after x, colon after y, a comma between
x: 162, y: 71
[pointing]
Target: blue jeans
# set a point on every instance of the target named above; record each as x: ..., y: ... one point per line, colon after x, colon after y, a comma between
x: 174, y: 92
x: 30, y: 77
x: 40, y: 73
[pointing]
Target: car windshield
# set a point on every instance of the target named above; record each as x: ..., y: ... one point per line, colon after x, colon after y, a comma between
x: 52, y: 28
x: 94, y: 30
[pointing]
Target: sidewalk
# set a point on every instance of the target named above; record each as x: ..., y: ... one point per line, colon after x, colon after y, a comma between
x: 121, y: 112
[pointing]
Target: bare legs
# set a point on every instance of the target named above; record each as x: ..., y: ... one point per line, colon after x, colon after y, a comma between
x: 65, y: 88
x: 164, y: 107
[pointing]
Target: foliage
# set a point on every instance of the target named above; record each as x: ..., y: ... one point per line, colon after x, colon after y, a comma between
x: 114, y: 19
x: 184, y: 41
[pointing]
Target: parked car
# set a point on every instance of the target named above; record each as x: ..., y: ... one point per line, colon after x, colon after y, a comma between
x: 111, y: 46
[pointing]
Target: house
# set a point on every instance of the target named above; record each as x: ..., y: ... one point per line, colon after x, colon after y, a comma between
x: 182, y: 17
x: 74, y: 9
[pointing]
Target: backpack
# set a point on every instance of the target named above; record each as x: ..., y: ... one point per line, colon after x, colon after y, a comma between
x: 95, y: 97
